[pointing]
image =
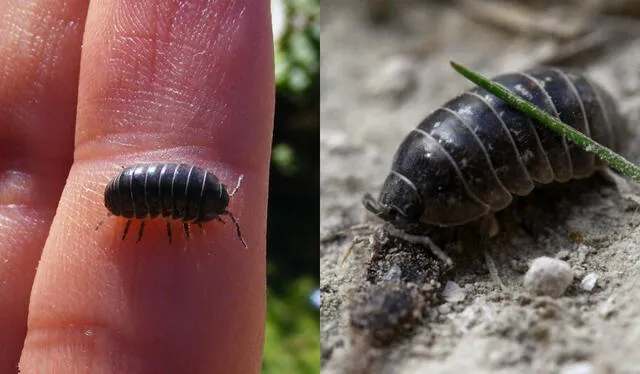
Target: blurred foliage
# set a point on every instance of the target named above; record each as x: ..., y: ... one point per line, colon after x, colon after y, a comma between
x: 292, y: 339
x: 297, y: 43
x: 294, y: 210
x: 285, y: 159
x: 293, y: 328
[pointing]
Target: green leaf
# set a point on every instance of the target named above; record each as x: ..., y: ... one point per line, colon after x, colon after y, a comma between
x: 614, y: 160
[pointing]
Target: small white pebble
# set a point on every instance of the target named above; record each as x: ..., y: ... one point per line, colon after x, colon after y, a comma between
x: 452, y: 292
x: 589, y: 281
x: 548, y: 277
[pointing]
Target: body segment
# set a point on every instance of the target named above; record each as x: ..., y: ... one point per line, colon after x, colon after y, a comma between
x: 470, y: 157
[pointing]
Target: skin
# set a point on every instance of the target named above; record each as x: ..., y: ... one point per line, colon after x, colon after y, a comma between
x: 86, y: 89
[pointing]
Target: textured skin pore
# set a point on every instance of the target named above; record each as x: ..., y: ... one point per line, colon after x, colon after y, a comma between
x: 175, y: 191
x: 468, y: 158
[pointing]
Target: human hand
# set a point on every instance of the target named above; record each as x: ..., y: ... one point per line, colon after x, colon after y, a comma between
x: 152, y: 81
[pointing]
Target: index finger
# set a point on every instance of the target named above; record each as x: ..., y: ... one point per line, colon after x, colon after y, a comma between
x: 161, y: 82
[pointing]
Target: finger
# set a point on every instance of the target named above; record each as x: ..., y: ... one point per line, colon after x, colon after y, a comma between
x: 39, y: 67
x: 165, y: 82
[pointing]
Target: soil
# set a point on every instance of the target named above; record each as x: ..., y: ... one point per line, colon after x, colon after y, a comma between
x: 392, y: 307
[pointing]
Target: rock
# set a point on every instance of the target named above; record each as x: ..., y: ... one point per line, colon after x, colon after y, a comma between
x: 548, y: 277
x: 453, y: 292
x: 589, y: 282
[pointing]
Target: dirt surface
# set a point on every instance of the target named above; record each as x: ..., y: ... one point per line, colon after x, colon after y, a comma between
x: 394, y: 308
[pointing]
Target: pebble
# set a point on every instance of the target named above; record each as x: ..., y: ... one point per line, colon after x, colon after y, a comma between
x: 589, y: 282
x: 453, y: 292
x: 548, y: 277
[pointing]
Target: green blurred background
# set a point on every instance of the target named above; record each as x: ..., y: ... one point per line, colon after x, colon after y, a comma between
x: 292, y: 336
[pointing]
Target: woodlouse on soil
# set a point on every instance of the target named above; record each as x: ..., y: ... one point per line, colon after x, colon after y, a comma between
x: 468, y: 159
x: 178, y: 192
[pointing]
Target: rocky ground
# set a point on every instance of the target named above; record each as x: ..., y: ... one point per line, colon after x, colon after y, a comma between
x: 391, y: 307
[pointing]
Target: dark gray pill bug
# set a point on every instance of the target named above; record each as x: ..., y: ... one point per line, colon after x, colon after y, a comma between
x: 470, y: 157
x: 176, y: 192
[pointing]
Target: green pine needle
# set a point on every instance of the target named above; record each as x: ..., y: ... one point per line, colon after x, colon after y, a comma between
x: 614, y: 160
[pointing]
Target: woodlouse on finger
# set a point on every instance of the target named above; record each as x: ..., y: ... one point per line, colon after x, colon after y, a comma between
x: 176, y: 192
x: 468, y: 159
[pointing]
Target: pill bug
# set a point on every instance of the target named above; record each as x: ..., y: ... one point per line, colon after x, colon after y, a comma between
x: 177, y: 192
x: 467, y: 159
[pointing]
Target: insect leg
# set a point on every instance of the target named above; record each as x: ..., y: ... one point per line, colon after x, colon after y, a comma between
x: 101, y: 222
x: 187, y: 231
x: 420, y: 240
x: 488, y: 226
x: 627, y: 190
x: 140, y: 231
x: 358, y: 239
x: 493, y: 270
x: 235, y: 189
x: 238, y: 233
x: 169, y: 230
x: 126, y: 229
